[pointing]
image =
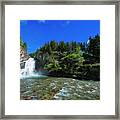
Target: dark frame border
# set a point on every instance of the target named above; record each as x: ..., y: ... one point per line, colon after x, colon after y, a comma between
x: 2, y: 56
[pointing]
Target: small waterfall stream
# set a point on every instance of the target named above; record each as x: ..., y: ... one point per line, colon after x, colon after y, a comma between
x: 29, y: 69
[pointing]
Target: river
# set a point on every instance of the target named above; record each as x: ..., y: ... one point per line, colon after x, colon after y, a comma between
x: 58, y: 88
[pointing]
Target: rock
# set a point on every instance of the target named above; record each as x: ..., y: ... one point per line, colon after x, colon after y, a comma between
x: 23, y: 54
x: 34, y: 97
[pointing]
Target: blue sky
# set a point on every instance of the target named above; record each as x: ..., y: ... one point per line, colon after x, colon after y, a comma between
x: 38, y: 32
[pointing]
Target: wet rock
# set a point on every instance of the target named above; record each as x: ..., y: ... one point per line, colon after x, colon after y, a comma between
x: 59, y: 89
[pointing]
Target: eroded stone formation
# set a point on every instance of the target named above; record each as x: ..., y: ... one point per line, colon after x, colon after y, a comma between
x: 23, y: 57
x: 23, y: 54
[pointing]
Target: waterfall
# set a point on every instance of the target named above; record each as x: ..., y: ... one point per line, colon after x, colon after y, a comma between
x: 29, y: 68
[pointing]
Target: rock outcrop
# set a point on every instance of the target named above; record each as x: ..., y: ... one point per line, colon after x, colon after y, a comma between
x: 23, y: 54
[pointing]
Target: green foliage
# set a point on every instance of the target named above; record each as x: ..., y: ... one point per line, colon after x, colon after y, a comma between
x: 72, y: 61
x: 89, y: 72
x: 62, y: 47
x: 53, y: 45
x: 23, y: 44
x: 94, y: 48
x: 32, y: 55
x: 53, y: 66
x: 62, y: 59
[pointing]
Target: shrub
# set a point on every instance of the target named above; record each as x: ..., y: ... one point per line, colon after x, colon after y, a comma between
x: 89, y: 72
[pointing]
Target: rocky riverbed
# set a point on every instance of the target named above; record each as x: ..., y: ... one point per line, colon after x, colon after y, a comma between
x: 52, y: 88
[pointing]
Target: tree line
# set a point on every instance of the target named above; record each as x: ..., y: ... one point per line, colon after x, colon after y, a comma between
x: 70, y: 59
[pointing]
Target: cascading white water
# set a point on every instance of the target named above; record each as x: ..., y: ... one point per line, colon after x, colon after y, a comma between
x: 29, y: 69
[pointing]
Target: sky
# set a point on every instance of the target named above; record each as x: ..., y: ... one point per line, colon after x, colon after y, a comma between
x: 35, y: 33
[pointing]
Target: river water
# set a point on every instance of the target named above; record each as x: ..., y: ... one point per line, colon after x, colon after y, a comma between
x: 58, y: 88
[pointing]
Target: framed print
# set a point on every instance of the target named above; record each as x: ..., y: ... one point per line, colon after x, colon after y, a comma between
x: 60, y: 59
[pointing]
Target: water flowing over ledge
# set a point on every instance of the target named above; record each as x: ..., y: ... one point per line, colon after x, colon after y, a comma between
x: 29, y: 70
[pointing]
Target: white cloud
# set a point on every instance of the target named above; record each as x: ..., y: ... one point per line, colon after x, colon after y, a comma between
x: 66, y: 23
x: 41, y: 21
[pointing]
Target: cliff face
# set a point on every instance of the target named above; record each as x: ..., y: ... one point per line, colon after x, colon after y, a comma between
x: 23, y: 54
